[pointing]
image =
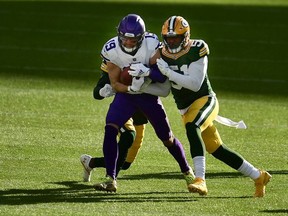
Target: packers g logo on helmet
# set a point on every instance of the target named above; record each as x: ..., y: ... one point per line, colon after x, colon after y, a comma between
x: 177, y: 27
x: 185, y: 23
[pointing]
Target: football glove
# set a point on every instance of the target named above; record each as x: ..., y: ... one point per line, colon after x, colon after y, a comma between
x: 106, y: 91
x: 139, y: 70
x: 164, y: 67
x: 136, y: 85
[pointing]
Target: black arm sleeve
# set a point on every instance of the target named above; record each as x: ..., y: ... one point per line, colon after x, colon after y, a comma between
x: 104, y: 79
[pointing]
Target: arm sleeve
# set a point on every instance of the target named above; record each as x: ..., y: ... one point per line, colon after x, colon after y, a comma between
x: 195, y: 75
x: 104, y: 79
x: 158, y: 89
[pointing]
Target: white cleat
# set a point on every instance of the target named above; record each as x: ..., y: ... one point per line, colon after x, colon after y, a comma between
x: 85, y: 160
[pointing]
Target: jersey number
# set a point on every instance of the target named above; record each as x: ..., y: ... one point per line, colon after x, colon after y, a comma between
x: 110, y: 45
x: 183, y: 70
x: 197, y: 43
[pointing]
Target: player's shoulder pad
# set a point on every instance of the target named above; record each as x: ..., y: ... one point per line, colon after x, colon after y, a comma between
x: 109, y: 50
x: 201, y: 46
x: 151, y: 40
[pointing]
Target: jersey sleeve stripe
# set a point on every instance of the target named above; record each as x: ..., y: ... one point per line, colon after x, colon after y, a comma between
x: 204, y: 51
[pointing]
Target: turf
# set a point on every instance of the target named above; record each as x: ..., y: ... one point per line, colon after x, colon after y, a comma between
x: 49, y: 54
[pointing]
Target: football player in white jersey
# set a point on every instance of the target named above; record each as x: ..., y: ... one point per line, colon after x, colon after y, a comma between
x: 137, y: 49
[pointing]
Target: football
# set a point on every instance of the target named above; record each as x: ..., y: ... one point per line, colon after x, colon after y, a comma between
x: 125, y: 77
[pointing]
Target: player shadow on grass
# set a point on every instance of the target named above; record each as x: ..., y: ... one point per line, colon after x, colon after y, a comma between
x: 75, y: 192
x: 78, y: 192
x: 177, y: 175
x: 273, y: 211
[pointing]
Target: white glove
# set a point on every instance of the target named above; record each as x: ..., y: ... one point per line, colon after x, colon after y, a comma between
x: 164, y: 67
x: 106, y: 91
x: 139, y: 70
x: 136, y: 85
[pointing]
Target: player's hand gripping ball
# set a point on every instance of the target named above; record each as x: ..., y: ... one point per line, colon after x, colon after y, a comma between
x: 125, y: 77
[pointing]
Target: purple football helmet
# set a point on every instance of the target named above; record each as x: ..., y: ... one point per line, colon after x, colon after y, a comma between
x: 131, y: 26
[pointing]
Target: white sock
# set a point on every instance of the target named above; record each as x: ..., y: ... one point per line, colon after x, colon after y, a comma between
x: 199, y: 166
x: 248, y: 169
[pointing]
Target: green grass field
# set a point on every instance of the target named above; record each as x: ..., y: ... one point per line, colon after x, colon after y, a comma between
x: 49, y: 64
